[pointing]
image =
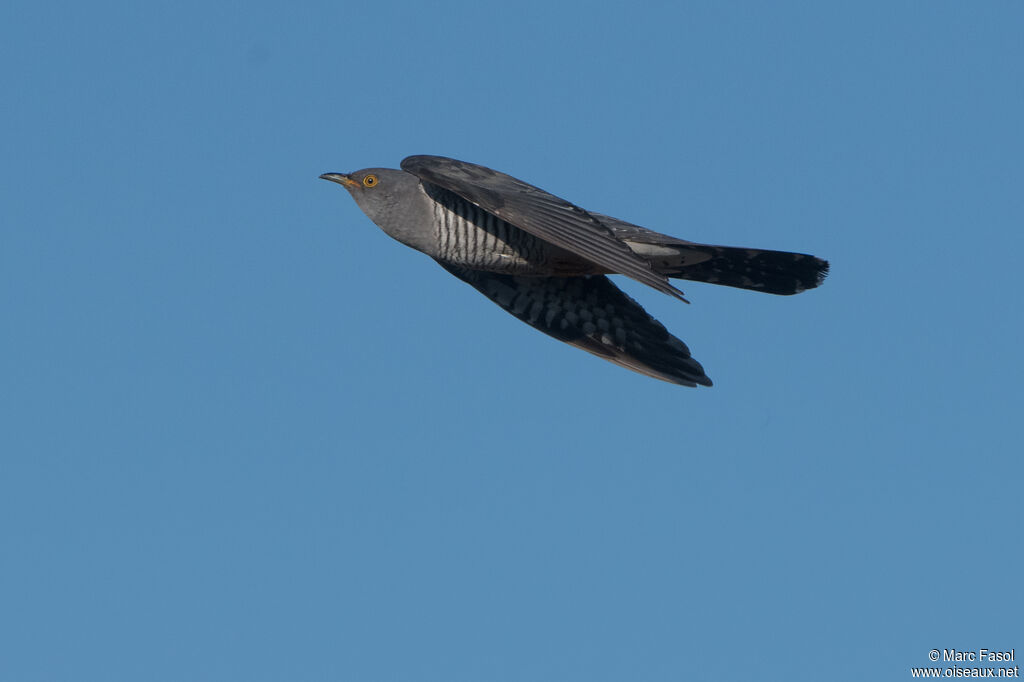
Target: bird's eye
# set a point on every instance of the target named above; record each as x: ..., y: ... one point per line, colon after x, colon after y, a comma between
x: 370, y: 180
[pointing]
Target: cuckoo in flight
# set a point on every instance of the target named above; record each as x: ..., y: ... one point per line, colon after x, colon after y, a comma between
x: 545, y: 260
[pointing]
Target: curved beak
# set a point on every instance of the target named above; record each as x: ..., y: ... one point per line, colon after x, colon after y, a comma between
x: 342, y: 179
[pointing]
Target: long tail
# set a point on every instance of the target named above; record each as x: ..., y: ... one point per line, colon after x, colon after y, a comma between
x: 772, y: 272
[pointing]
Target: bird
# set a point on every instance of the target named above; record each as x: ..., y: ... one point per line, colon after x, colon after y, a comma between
x: 546, y: 260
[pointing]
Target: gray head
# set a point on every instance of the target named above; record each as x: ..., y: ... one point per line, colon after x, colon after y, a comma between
x: 392, y: 199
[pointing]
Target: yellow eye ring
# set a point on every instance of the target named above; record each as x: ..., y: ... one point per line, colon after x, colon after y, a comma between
x: 370, y: 180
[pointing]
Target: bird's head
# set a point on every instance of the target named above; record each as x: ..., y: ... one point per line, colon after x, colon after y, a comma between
x: 390, y: 198
x: 376, y: 190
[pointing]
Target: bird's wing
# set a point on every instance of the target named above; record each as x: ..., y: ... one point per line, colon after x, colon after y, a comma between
x: 541, y: 214
x: 593, y: 314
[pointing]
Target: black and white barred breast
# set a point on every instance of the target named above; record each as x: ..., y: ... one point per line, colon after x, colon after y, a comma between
x: 470, y: 237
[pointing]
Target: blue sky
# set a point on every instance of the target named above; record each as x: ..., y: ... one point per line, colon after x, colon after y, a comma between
x: 245, y: 435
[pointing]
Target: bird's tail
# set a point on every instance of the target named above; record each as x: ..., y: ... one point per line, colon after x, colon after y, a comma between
x: 772, y: 272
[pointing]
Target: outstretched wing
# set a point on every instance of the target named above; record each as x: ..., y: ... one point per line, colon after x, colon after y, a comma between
x: 593, y: 314
x: 541, y: 214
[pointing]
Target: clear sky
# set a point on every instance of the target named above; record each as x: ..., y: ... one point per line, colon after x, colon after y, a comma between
x: 247, y: 436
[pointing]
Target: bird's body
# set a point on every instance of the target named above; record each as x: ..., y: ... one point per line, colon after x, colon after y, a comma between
x: 543, y: 259
x: 466, y: 235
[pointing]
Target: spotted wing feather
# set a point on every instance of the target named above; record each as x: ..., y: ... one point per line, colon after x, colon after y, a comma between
x: 591, y: 313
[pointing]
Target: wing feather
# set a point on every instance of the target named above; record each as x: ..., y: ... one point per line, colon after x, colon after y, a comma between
x: 593, y: 314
